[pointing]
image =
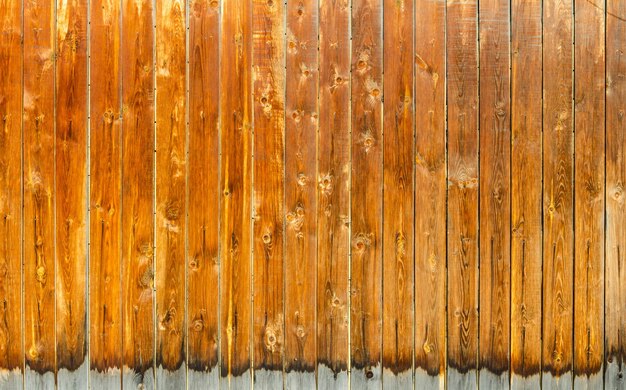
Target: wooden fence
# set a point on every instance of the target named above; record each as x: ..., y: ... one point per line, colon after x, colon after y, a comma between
x: 330, y: 193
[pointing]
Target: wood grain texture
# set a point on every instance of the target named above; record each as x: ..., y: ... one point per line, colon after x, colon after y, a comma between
x: 11, y: 60
x: 615, y: 246
x: 171, y: 204
x: 366, y: 195
x: 589, y: 195
x: 203, y: 183
x: 558, y: 203
x: 71, y: 193
x: 39, y: 195
x: 105, y: 250
x: 430, y: 194
x: 398, y: 210
x: 138, y: 145
x: 462, y: 61
x: 495, y: 198
x: 236, y: 185
x: 301, y: 125
x: 268, y: 64
x: 333, y: 195
x: 526, y: 193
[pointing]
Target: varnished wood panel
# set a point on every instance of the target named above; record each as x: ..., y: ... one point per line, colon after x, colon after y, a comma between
x: 203, y: 184
x: 138, y: 145
x: 333, y: 194
x: 268, y: 63
x: 236, y: 143
x: 171, y: 192
x: 558, y: 206
x: 71, y: 193
x: 398, y: 186
x: 615, y: 244
x: 462, y: 92
x: 526, y: 194
x: 495, y: 198
x: 589, y: 195
x: 301, y: 125
x: 39, y: 195
x: 430, y: 194
x: 366, y: 195
x: 105, y: 205
x: 11, y: 59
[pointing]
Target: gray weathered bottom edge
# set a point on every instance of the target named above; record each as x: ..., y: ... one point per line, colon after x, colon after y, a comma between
x: 134, y: 380
x: 296, y: 380
x: 111, y: 378
x: 563, y: 382
x: 588, y: 382
x: 359, y: 379
x: 403, y: 380
x: 35, y: 380
x: 76, y: 379
x: 11, y: 379
x: 458, y: 380
x: 519, y: 382
x: 326, y: 379
x: 199, y: 380
x: 428, y: 382
x: 166, y: 379
x: 489, y: 380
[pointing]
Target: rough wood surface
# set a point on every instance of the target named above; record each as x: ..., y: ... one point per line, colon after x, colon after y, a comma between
x: 558, y: 206
x: 398, y: 210
x: 495, y: 198
x: 203, y: 184
x: 333, y: 194
x: 105, y: 205
x: 462, y: 237
x: 39, y: 195
x: 138, y: 147
x: 11, y: 59
x: 430, y: 194
x: 301, y: 125
x: 589, y: 197
x: 171, y: 187
x: 268, y: 64
x: 615, y: 246
x: 526, y: 194
x: 366, y: 195
x: 236, y: 145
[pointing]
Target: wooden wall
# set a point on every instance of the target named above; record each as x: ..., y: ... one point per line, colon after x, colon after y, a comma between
x: 294, y: 194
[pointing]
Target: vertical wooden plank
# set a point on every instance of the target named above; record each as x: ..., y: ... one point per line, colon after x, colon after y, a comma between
x: 268, y: 63
x: 462, y: 95
x: 398, y: 206
x: 615, y: 281
x: 495, y: 200
x: 301, y: 125
x: 430, y: 194
x: 333, y: 176
x: 39, y: 194
x: 138, y: 146
x: 105, y: 255
x: 11, y: 56
x: 558, y: 204
x: 589, y: 195
x: 202, y: 233
x: 366, y: 195
x: 171, y: 182
x: 71, y: 192
x: 526, y: 181
x: 236, y: 186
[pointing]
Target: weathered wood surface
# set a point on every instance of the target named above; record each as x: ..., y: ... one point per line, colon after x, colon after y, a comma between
x: 558, y: 188
x: 526, y: 194
x: 495, y: 199
x: 105, y: 205
x: 312, y: 194
x: 366, y: 195
x: 138, y: 145
x: 333, y: 194
x: 398, y: 179
x: 203, y: 206
x: 301, y: 125
x: 11, y: 87
x: 462, y: 82
x: 235, y: 219
x: 268, y: 64
x: 615, y: 244
x: 430, y: 194
x: 39, y: 195
x: 589, y: 130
